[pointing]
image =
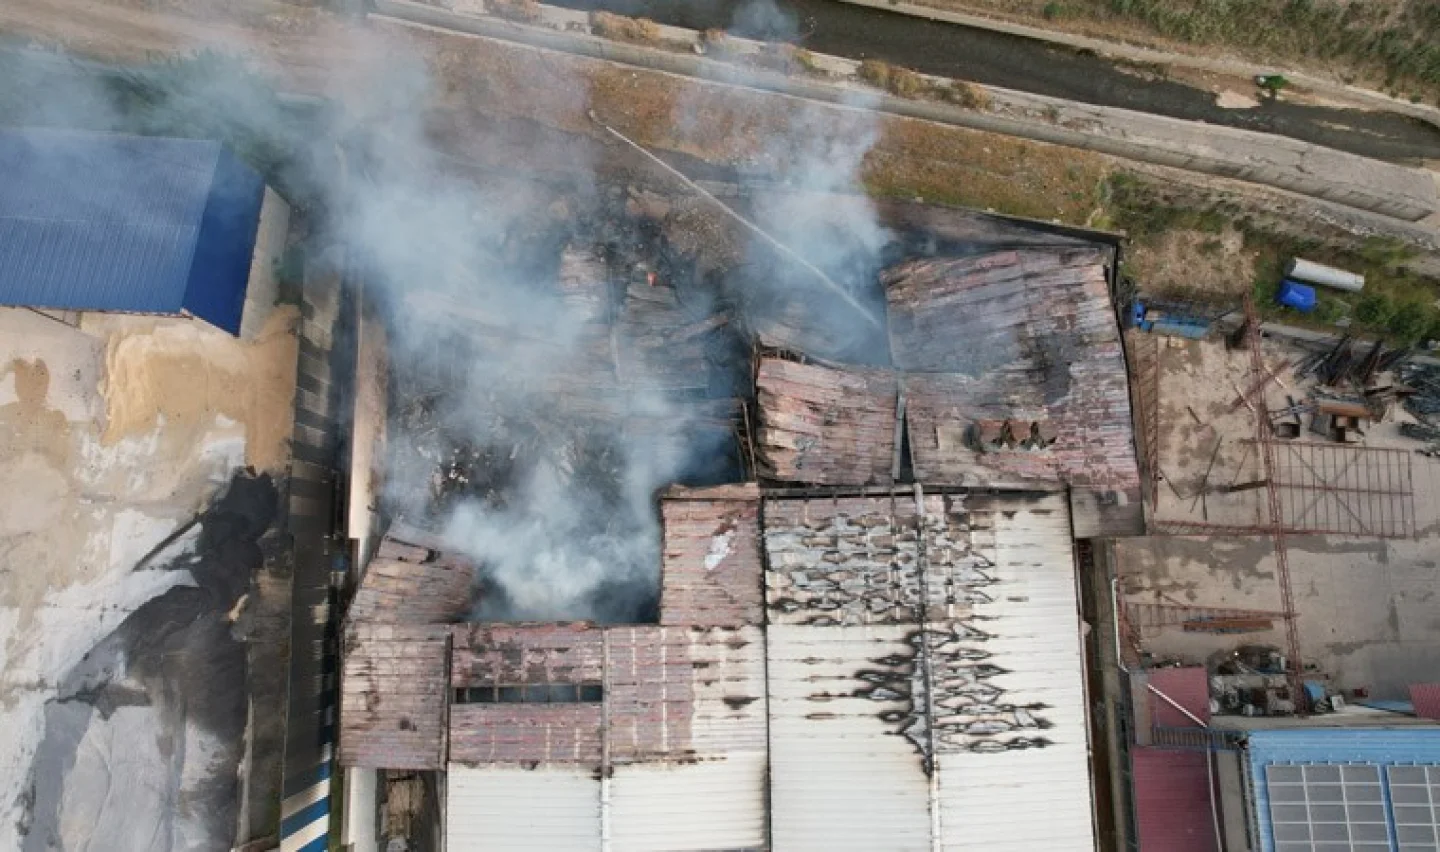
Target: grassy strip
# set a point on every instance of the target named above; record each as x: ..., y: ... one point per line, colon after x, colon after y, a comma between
x: 1397, y: 302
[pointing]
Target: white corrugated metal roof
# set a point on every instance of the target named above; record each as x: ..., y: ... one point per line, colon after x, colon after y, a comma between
x: 500, y: 808
x: 841, y: 777
x: 864, y: 692
x: 711, y: 804
x: 1028, y: 797
x: 997, y: 653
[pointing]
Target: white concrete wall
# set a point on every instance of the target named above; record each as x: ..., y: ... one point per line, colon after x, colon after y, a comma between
x: 263, y: 288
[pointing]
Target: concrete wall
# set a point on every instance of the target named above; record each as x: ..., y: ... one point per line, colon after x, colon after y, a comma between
x: 263, y: 288
x: 1402, y: 192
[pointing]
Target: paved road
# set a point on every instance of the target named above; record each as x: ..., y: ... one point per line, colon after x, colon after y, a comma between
x: 1017, y: 63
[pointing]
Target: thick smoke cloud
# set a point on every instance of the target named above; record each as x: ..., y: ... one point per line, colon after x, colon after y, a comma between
x: 458, y: 267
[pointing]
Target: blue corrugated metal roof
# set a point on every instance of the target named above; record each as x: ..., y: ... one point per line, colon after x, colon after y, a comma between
x: 1374, y: 746
x: 100, y: 221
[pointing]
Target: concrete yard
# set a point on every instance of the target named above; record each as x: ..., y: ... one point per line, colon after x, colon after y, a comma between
x: 1365, y: 603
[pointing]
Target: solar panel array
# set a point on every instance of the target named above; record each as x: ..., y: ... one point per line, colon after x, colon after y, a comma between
x: 1415, y: 798
x: 1343, y: 808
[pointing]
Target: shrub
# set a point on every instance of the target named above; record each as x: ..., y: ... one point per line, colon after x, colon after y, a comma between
x: 1052, y: 11
x: 906, y: 83
x: 1374, y: 310
x: 966, y: 95
x: 874, y: 72
x: 1408, y: 320
x: 621, y: 28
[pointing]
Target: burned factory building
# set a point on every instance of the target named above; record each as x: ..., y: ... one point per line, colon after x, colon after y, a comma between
x: 681, y: 553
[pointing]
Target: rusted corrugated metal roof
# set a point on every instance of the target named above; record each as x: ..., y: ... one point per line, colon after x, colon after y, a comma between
x: 393, y: 695
x: 412, y: 581
x: 1172, y: 802
x: 1014, y: 335
x: 657, y: 343
x: 1425, y: 698
x: 826, y: 426
x: 1188, y: 686
x: 894, y: 723
x: 710, y: 565
x: 672, y: 756
x: 662, y: 693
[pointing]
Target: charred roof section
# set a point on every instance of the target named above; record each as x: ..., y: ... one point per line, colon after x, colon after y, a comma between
x: 393, y: 696
x: 826, y: 426
x: 412, y: 580
x: 710, y: 567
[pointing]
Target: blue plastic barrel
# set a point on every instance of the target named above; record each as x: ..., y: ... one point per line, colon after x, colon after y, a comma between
x: 1295, y: 295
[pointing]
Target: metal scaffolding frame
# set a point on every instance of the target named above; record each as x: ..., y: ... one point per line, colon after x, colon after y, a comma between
x: 1343, y: 489
x: 1149, y: 619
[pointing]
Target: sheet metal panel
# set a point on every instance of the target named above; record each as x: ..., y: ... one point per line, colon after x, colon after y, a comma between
x: 393, y: 694
x: 1425, y: 698
x: 495, y: 808
x: 1375, y: 746
x: 712, y: 804
x: 710, y: 565
x: 826, y: 426
x: 865, y: 681
x: 727, y: 669
x: 841, y: 775
x: 1016, y: 774
x: 1172, y: 804
x: 106, y: 221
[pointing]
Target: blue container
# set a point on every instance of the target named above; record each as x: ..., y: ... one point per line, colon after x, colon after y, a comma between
x: 1295, y: 295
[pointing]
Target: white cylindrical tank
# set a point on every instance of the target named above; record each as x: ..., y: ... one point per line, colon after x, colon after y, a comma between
x: 1311, y: 272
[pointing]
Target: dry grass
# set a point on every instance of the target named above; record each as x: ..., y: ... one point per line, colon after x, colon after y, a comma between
x: 904, y: 83
x: 621, y: 28
x: 520, y: 11
x: 963, y: 94
x: 910, y: 157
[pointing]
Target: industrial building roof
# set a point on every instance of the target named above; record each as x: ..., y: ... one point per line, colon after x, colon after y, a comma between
x: 910, y: 678
x: 1025, y: 335
x: 1008, y: 372
x: 99, y: 221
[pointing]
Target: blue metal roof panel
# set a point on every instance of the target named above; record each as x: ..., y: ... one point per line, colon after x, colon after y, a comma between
x: 215, y: 289
x: 98, y: 221
x: 1373, y: 746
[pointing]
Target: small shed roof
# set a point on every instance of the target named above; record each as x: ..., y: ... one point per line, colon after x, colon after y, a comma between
x: 110, y: 222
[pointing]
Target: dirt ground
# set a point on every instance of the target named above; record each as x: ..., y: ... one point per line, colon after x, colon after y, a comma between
x: 1192, y: 261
